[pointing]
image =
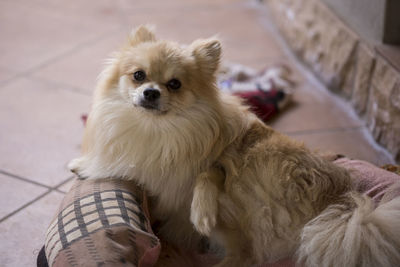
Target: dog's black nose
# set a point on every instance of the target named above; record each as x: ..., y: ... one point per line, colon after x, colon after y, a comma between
x: 151, y: 94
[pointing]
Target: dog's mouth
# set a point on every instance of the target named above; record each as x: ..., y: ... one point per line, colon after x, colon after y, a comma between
x: 151, y: 107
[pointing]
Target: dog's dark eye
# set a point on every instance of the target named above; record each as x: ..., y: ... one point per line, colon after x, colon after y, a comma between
x: 139, y: 75
x: 174, y: 84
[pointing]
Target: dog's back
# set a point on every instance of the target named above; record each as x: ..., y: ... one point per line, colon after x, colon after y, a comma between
x: 276, y: 188
x: 285, y: 201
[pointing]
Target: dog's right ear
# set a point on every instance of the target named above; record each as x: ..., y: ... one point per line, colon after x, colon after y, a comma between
x: 143, y: 33
x: 207, y: 53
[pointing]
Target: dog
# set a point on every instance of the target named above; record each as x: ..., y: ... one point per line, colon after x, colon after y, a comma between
x: 213, y: 169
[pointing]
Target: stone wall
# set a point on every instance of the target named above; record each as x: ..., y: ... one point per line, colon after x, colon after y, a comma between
x: 369, y: 19
x: 345, y: 63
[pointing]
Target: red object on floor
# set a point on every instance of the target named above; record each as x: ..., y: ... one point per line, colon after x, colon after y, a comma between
x: 263, y: 103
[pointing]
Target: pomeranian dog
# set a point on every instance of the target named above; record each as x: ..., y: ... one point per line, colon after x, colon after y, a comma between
x: 212, y: 167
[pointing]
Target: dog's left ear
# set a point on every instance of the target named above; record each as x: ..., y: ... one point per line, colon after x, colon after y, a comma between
x: 143, y: 33
x: 207, y: 53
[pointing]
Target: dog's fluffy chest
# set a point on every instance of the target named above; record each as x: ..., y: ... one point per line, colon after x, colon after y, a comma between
x: 164, y: 159
x: 171, y: 182
x: 163, y: 153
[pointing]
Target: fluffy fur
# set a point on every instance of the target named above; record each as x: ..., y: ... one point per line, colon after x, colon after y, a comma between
x: 207, y: 161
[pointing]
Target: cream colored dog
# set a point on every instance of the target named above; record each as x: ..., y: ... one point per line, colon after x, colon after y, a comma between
x: 159, y: 119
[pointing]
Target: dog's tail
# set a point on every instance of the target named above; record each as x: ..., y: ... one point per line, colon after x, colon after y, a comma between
x: 355, y: 232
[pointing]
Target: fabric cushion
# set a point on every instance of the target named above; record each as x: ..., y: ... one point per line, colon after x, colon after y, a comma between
x: 102, y: 223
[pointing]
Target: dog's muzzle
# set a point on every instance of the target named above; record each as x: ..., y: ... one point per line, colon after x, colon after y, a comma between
x: 150, y: 98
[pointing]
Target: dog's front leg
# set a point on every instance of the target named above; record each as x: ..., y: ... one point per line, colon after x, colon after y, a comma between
x: 204, y: 209
x: 77, y: 166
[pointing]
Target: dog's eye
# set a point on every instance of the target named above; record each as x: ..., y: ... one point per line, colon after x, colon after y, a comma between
x: 139, y: 75
x: 174, y: 84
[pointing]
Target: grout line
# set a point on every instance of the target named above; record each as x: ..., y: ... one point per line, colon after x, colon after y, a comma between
x: 24, y: 206
x: 37, y: 183
x: 61, y: 85
x: 63, y: 54
x: 50, y: 189
x: 25, y: 179
x: 62, y: 183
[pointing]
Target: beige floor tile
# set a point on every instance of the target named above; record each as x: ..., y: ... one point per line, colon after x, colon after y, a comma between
x: 32, y: 35
x: 81, y: 68
x: 23, y: 234
x: 15, y: 193
x: 43, y: 130
x: 351, y: 143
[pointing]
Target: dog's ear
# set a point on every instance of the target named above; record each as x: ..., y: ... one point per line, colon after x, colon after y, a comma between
x: 207, y: 53
x: 143, y: 33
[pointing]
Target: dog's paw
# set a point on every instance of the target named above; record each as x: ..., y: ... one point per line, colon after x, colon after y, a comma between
x: 203, y: 220
x: 203, y: 213
x: 76, y: 166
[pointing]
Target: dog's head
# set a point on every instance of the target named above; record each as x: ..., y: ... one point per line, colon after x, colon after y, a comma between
x: 161, y: 77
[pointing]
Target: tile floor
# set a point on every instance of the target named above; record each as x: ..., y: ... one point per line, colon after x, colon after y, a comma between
x: 51, y: 52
